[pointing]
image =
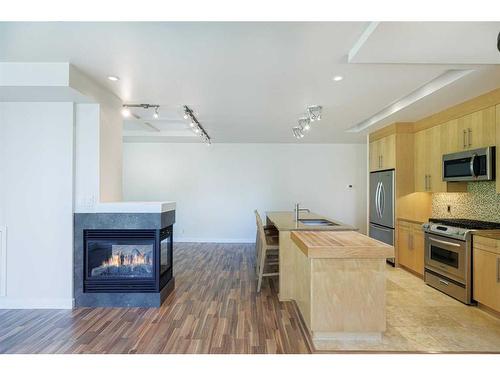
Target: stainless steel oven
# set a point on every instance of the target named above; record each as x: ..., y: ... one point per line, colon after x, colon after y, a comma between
x: 446, y: 256
x: 448, y: 260
x: 471, y: 165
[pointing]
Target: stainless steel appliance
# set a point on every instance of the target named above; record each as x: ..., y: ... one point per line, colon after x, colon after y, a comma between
x: 448, y: 255
x: 382, y: 207
x: 472, y: 165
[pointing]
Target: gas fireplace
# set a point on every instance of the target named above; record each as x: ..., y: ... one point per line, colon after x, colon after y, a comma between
x: 127, y: 260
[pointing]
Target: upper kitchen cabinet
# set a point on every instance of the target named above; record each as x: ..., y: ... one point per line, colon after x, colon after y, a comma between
x: 476, y: 130
x: 427, y: 160
x: 383, y: 153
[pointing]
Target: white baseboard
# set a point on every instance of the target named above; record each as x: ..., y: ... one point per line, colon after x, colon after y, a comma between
x: 36, y: 303
x: 215, y: 240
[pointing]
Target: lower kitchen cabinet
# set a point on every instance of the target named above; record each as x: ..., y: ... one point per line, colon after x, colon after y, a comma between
x: 410, y: 247
x: 486, y: 271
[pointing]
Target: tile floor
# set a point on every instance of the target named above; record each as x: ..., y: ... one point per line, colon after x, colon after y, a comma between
x: 420, y: 318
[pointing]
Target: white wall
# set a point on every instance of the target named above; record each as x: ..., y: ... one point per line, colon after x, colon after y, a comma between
x: 217, y: 188
x: 110, y: 153
x: 36, y: 203
x: 98, y: 155
x: 86, y: 156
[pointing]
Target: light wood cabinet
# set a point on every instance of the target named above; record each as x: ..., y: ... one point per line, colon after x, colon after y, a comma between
x: 383, y: 153
x: 419, y: 248
x: 410, y: 246
x: 476, y: 130
x: 449, y: 139
x: 472, y: 131
x: 428, y: 160
x: 486, y: 270
x: 374, y: 153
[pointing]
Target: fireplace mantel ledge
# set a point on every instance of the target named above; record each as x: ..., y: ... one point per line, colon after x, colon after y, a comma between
x: 133, y: 207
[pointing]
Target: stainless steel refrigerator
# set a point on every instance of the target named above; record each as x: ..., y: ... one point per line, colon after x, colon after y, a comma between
x: 382, y: 207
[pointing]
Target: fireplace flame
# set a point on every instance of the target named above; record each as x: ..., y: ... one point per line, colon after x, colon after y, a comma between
x: 126, y: 260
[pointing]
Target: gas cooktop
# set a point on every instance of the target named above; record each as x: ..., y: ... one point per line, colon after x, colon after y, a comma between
x: 466, y: 223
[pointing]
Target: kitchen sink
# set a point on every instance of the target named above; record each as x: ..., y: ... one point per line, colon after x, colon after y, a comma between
x: 317, y: 222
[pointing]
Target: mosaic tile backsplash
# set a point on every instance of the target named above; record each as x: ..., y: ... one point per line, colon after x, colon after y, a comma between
x: 480, y: 203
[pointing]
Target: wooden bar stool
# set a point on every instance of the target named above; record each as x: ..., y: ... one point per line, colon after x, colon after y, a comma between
x: 267, y: 246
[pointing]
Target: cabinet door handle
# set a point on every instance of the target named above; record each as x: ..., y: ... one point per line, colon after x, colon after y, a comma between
x: 465, y: 142
x: 470, y: 137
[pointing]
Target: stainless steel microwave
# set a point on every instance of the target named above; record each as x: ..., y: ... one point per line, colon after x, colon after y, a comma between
x: 471, y: 165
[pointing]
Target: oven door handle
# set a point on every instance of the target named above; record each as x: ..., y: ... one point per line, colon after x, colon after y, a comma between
x: 444, y: 242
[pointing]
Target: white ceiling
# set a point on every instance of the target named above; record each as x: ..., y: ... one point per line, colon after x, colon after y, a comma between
x: 430, y: 43
x: 249, y: 82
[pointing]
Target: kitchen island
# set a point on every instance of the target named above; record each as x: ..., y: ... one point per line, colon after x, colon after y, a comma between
x: 337, y: 279
x: 284, y: 222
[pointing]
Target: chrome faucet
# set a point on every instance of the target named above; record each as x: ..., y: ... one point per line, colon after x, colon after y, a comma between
x: 298, y: 209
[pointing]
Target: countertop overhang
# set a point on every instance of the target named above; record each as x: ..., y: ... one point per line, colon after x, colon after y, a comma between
x: 340, y: 245
x: 131, y: 207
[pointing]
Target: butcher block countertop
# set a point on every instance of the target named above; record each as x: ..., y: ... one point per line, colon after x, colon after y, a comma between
x: 340, y: 245
x: 285, y: 221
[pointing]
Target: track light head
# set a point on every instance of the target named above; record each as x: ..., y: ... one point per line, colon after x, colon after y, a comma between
x: 305, y: 123
x: 298, y: 132
x: 156, y: 113
x: 314, y: 112
x: 126, y: 111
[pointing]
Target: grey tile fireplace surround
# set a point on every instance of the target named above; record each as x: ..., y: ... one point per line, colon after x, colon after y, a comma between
x: 83, y: 221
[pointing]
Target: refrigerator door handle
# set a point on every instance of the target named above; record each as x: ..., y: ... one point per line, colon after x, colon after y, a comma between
x: 382, y: 199
x: 377, y: 203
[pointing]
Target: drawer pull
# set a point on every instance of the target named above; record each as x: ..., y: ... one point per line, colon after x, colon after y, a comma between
x: 444, y: 282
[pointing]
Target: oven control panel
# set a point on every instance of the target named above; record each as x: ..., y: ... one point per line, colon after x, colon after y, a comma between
x: 446, y: 230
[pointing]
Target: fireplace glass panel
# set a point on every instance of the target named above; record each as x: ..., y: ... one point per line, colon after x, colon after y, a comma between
x: 120, y: 259
x: 166, y: 254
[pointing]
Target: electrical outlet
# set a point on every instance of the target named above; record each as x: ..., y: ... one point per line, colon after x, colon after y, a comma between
x: 448, y: 208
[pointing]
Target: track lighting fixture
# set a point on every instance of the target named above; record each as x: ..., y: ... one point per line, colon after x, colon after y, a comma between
x: 195, y: 125
x: 126, y: 109
x: 305, y: 123
x: 313, y: 113
x: 298, y: 132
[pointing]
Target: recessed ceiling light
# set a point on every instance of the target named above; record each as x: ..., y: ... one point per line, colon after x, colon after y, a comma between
x: 338, y: 78
x: 113, y: 78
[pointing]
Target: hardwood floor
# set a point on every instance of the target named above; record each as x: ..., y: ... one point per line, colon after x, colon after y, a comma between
x: 213, y: 309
